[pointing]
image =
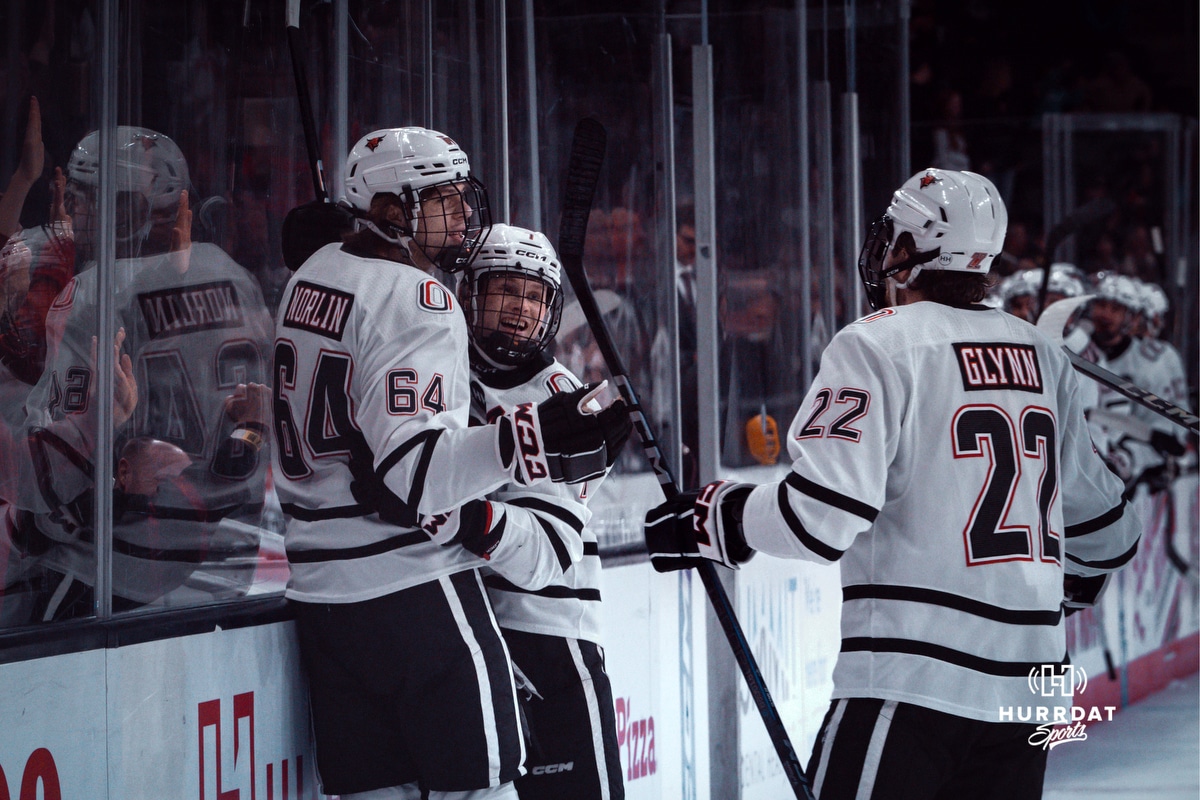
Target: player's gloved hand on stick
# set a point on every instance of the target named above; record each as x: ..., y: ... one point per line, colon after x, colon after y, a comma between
x: 699, y: 524
x: 568, y: 437
x: 477, y: 525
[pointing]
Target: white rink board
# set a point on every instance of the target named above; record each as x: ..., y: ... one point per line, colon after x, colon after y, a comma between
x: 645, y: 663
x: 791, y: 613
x: 238, y: 688
x: 52, y: 723
x: 137, y: 722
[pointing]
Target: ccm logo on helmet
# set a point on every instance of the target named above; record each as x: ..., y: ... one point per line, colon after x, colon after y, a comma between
x: 551, y: 769
x: 528, y: 254
x: 456, y: 161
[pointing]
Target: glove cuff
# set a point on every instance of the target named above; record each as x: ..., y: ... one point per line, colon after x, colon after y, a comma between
x: 733, y: 506
x: 719, y: 535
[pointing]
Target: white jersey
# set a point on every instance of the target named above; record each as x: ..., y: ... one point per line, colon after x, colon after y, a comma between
x: 569, y: 605
x: 372, y: 403
x: 941, y: 456
x: 1155, y: 366
x: 196, y: 326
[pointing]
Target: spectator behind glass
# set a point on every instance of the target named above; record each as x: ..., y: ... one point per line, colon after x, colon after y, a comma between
x: 191, y: 354
x: 949, y: 141
x: 614, y: 256
x: 1140, y: 260
x: 1116, y: 89
x: 749, y: 314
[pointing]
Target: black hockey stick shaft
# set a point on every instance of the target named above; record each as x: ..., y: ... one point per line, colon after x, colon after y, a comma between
x: 1052, y: 321
x: 1129, y: 389
x: 583, y: 172
x: 307, y: 118
x: 1086, y: 214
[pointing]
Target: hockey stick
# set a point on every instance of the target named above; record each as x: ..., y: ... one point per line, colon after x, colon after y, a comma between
x: 583, y: 172
x: 306, y: 111
x: 1084, y: 215
x: 309, y: 226
x: 1051, y: 323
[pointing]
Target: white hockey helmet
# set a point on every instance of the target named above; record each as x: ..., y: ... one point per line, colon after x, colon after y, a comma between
x: 151, y: 174
x: 1154, y: 300
x: 406, y: 162
x: 1155, y: 305
x: 957, y: 221
x: 148, y: 163
x: 1020, y: 284
x: 1120, y: 289
x: 1071, y: 280
x: 505, y: 326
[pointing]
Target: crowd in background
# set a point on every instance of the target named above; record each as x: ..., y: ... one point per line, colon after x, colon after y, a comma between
x: 215, y: 78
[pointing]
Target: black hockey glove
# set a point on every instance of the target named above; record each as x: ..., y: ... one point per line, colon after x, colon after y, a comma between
x: 309, y: 227
x: 477, y: 525
x: 696, y: 525
x: 1080, y: 592
x: 568, y: 437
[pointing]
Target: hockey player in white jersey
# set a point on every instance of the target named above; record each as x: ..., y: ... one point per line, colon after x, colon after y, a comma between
x: 197, y: 335
x: 941, y: 457
x: 410, y: 683
x: 512, y: 295
x: 1117, y: 314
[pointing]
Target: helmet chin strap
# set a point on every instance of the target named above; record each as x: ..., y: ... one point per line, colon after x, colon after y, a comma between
x: 487, y: 360
x: 912, y: 276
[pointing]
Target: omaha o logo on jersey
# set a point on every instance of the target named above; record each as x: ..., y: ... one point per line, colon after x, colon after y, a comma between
x: 432, y: 296
x: 998, y: 365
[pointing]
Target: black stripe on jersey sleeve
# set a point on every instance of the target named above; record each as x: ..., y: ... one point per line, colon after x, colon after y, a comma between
x: 948, y: 600
x: 1108, y: 564
x: 197, y: 514
x: 319, y: 514
x: 1093, y: 525
x: 554, y: 592
x: 546, y: 507
x: 426, y: 440
x: 591, y: 548
x: 560, y: 547
x: 1002, y: 669
x: 346, y: 553
x: 183, y: 556
x: 831, y: 498
x: 799, y: 531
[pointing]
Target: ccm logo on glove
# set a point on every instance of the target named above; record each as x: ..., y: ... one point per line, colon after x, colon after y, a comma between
x: 527, y: 441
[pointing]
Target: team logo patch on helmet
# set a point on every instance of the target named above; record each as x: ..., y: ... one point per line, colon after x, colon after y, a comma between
x: 976, y: 260
x: 945, y: 258
x: 373, y: 142
x: 928, y: 179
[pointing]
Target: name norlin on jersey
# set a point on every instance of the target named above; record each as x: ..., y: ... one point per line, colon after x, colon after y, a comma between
x: 185, y: 309
x: 998, y: 365
x: 318, y: 309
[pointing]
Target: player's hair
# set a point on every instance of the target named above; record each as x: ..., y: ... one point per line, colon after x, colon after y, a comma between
x: 957, y: 289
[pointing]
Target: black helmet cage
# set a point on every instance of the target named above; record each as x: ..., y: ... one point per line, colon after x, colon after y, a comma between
x: 873, y: 258
x: 504, y: 348
x: 474, y: 193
